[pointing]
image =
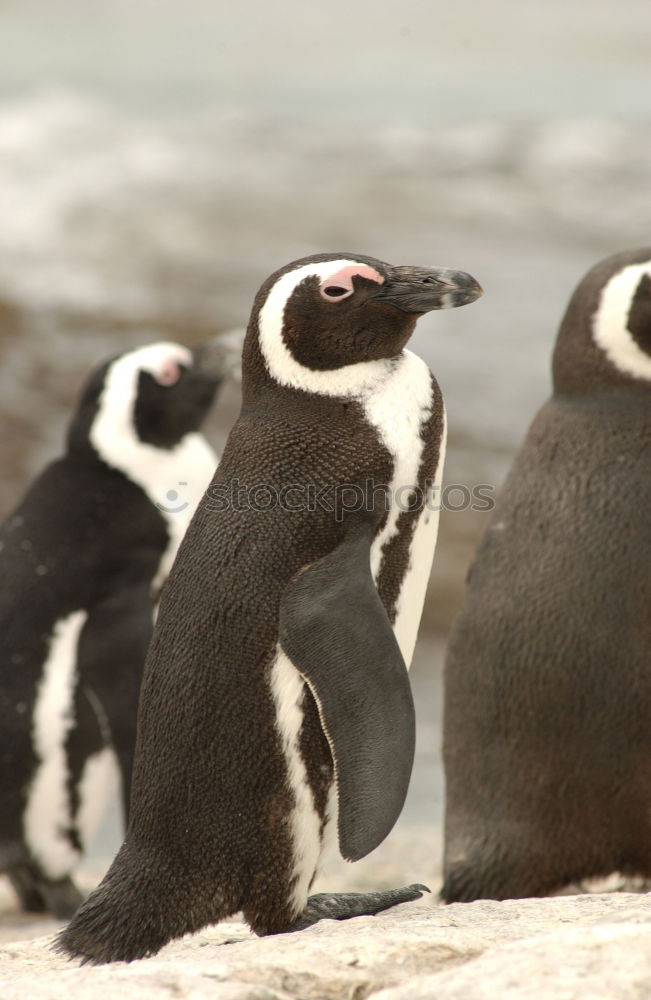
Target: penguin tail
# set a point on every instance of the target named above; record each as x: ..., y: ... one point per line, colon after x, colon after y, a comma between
x: 137, y: 908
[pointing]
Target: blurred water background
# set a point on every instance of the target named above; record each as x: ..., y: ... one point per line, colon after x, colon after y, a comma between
x: 158, y: 160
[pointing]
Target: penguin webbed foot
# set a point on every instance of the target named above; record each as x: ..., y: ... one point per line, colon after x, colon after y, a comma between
x: 344, y: 905
x: 38, y: 894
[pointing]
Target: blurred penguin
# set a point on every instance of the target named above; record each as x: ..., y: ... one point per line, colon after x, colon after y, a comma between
x: 82, y: 561
x: 547, y: 725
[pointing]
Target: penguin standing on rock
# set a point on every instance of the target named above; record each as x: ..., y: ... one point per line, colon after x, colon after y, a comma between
x: 276, y: 714
x: 547, y: 722
x: 82, y: 559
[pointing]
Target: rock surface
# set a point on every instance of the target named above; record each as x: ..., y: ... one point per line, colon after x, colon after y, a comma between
x: 568, y: 948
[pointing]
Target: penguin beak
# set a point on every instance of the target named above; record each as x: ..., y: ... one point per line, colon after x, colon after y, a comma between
x: 421, y: 289
x: 221, y: 357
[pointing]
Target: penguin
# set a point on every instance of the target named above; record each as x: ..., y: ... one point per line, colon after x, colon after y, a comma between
x: 276, y: 718
x: 82, y: 560
x: 547, y: 706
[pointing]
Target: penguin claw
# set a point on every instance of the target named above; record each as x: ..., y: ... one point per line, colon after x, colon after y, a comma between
x: 344, y: 905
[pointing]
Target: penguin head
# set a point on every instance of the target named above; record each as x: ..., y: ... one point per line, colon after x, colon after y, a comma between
x: 604, y: 341
x: 321, y: 321
x: 153, y: 395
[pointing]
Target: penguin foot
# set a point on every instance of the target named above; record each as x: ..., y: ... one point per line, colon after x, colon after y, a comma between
x: 38, y: 894
x: 24, y: 885
x: 344, y: 905
x: 62, y: 899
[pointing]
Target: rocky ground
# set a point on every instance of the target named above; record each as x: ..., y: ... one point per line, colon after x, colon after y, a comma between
x: 585, y: 947
x: 566, y: 948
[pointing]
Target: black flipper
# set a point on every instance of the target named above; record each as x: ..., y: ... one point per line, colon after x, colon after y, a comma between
x: 335, y: 630
x: 344, y: 905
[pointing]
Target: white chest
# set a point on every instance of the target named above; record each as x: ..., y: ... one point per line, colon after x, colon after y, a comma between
x: 398, y: 411
x: 173, y: 479
x: 176, y: 485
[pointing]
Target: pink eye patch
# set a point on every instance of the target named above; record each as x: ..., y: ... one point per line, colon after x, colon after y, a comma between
x: 340, y: 284
x: 169, y: 373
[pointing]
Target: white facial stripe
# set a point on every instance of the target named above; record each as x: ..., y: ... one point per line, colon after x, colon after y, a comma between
x: 342, y: 281
x: 174, y: 479
x: 113, y: 434
x: 351, y: 380
x: 156, y: 359
x: 47, y: 815
x: 609, y: 323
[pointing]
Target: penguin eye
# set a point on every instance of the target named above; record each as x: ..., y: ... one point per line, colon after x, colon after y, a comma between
x: 334, y: 292
x: 169, y: 373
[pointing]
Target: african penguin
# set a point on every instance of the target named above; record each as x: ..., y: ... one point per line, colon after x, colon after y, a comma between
x: 547, y: 721
x: 82, y: 559
x: 276, y: 712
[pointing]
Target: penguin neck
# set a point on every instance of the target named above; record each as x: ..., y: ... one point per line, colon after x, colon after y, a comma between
x: 581, y: 371
x: 113, y: 438
x: 269, y: 370
x: 595, y: 354
x: 602, y: 397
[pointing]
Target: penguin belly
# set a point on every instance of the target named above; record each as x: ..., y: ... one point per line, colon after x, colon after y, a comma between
x: 67, y: 781
x: 48, y: 815
x: 409, y: 418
